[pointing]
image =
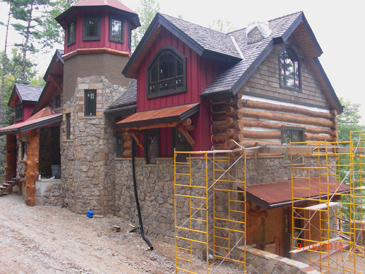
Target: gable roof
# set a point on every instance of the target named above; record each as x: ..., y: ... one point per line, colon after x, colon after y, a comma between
x: 26, y: 94
x: 233, y: 48
x: 113, y: 5
x: 54, y: 72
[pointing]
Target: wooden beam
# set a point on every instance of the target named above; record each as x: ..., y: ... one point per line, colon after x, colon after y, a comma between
x: 134, y: 135
x: 10, y: 158
x: 240, y: 103
x: 32, y: 164
x: 186, y: 122
x: 187, y: 136
x: 285, y: 117
x: 295, y: 150
x: 51, y: 78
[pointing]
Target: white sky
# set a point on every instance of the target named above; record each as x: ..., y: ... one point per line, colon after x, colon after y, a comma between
x: 337, y: 25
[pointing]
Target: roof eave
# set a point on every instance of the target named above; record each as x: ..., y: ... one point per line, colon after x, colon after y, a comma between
x: 56, y: 56
x: 40, y: 98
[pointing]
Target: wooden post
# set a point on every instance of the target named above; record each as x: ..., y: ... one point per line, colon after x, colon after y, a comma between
x: 10, y: 162
x: 32, y: 165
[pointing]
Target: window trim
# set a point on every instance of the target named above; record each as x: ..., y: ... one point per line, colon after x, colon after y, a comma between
x: 150, y: 65
x: 283, y: 86
x: 129, y: 36
x: 86, y: 103
x: 91, y: 38
x: 302, y: 139
x: 68, y: 126
x: 19, y: 105
x: 73, y: 41
x: 112, y: 17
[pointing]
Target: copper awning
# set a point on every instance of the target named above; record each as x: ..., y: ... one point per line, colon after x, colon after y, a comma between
x: 159, y: 116
x: 279, y: 194
x: 38, y: 120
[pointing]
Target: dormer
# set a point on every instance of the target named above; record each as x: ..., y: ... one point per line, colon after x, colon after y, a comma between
x: 99, y: 25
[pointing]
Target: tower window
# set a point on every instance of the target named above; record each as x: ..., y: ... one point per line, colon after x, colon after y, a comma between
x: 71, y: 32
x: 19, y: 112
x: 90, y: 102
x: 91, y: 30
x: 116, y: 29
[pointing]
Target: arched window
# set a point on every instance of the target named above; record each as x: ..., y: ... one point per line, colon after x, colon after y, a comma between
x: 289, y: 69
x: 166, y: 74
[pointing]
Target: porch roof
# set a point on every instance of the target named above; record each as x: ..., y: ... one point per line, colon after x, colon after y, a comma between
x: 159, y: 116
x: 36, y: 121
x: 279, y: 194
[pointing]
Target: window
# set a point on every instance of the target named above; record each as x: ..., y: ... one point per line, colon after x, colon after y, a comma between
x: 90, y: 102
x: 129, y: 36
x: 152, y: 145
x: 180, y: 144
x: 116, y: 30
x: 289, y: 69
x: 292, y: 134
x: 91, y: 30
x: 166, y: 74
x: 24, y: 150
x: 19, y: 112
x: 119, y: 140
x: 57, y: 101
x: 71, y: 32
x: 68, y: 126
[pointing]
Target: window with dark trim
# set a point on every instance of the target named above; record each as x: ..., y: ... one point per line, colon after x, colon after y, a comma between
x: 116, y: 29
x: 180, y: 144
x: 57, y: 101
x: 166, y: 74
x: 90, y: 102
x: 289, y: 69
x: 19, y: 112
x: 152, y: 145
x: 68, y: 126
x: 119, y: 141
x: 24, y: 149
x: 292, y: 134
x: 91, y: 27
x: 71, y: 32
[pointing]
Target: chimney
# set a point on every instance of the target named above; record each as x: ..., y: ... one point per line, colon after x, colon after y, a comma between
x: 256, y: 31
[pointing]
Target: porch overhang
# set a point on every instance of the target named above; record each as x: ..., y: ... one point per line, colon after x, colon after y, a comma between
x: 279, y: 194
x: 31, y: 124
x: 170, y: 115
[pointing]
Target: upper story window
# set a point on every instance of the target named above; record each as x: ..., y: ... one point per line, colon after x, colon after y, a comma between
x: 91, y: 27
x: 71, y: 32
x: 90, y: 102
x: 116, y: 29
x: 19, y: 112
x: 166, y: 74
x: 289, y: 69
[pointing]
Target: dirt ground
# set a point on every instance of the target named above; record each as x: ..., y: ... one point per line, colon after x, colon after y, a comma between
x: 44, y: 239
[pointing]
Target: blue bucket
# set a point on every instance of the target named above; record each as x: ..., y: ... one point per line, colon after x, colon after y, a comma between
x: 90, y: 214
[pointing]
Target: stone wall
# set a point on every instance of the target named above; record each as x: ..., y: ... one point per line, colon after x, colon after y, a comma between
x: 87, y: 157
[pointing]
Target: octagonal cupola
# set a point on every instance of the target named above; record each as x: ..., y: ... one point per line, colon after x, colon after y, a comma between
x: 93, y: 26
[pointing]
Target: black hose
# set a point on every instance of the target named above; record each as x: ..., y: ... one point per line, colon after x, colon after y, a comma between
x: 137, y: 201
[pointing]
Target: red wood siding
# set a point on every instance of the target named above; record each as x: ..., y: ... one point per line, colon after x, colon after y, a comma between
x: 199, y: 72
x: 104, y: 34
x: 27, y: 111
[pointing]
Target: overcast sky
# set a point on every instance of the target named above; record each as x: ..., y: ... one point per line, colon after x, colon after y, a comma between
x: 337, y: 25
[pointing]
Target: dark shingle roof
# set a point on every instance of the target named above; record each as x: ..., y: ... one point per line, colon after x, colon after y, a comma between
x: 206, y: 37
x: 228, y: 79
x: 128, y: 98
x: 28, y: 93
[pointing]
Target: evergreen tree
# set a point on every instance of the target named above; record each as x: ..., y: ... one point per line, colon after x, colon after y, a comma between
x: 28, y: 23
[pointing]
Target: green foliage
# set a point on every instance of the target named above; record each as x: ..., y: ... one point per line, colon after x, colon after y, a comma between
x: 348, y: 120
x: 52, y: 32
x: 222, y: 26
x: 146, y: 13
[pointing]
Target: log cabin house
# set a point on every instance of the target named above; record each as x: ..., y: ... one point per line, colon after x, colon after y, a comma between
x: 185, y: 87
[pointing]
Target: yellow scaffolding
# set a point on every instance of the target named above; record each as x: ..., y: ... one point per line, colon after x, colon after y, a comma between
x: 209, y: 207
x: 328, y: 224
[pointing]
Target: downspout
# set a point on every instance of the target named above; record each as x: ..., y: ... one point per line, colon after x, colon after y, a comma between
x: 137, y: 201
